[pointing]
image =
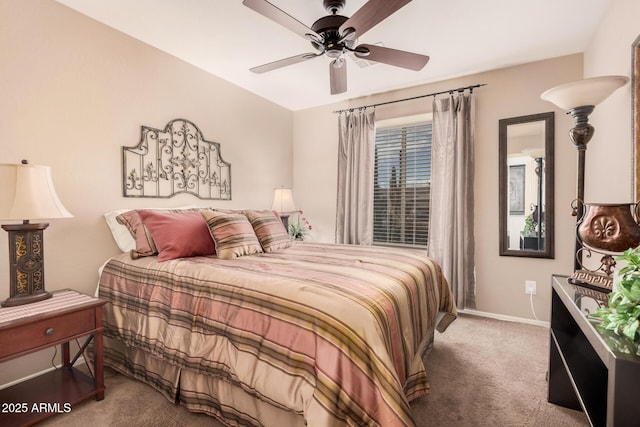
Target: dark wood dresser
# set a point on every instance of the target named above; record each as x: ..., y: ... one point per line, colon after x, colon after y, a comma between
x: 597, y: 372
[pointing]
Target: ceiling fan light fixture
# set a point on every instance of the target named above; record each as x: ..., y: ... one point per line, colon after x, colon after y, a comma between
x: 338, y: 62
x: 313, y: 38
x: 334, y: 51
x: 361, y: 51
x: 348, y: 34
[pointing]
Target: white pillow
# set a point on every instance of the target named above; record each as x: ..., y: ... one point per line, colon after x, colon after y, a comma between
x: 121, y: 234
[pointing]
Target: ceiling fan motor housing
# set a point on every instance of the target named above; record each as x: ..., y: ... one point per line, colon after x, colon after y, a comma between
x: 332, y: 41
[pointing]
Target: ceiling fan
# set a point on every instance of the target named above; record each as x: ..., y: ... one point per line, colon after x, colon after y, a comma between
x: 335, y: 35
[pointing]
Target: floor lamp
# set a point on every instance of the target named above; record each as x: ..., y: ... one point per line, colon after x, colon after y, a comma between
x: 27, y: 193
x: 579, y: 100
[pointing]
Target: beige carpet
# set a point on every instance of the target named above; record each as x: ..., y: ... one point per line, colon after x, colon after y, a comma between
x: 483, y: 372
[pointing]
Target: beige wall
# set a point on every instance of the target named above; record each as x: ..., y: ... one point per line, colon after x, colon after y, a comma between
x: 609, y: 158
x: 73, y: 91
x: 509, y: 92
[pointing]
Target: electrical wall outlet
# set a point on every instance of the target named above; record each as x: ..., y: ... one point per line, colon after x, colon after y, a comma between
x: 530, y: 287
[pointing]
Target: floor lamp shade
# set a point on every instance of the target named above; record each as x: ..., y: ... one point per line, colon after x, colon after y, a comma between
x: 584, y: 92
x: 27, y: 193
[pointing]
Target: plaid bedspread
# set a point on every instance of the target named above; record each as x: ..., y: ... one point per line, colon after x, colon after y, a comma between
x: 334, y: 333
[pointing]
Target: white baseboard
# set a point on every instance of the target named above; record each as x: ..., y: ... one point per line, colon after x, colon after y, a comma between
x: 504, y: 317
x: 80, y: 361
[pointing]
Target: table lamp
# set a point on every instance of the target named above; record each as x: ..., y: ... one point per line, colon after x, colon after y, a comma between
x: 27, y: 193
x: 283, y: 204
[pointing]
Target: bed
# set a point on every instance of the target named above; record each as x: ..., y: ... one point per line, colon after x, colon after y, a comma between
x: 293, y: 334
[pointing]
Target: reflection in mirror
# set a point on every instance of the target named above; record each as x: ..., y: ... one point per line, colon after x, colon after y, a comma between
x: 526, y: 185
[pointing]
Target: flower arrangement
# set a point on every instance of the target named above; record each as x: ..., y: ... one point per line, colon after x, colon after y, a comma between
x: 300, y: 228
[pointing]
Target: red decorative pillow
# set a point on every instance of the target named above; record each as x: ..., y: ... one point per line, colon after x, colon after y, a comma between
x: 178, y: 235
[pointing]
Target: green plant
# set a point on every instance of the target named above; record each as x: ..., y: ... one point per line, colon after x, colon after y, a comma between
x: 622, y: 314
x: 529, y: 226
x: 300, y: 228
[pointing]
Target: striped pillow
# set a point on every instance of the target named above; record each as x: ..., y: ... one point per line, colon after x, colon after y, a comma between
x: 232, y: 233
x: 269, y: 229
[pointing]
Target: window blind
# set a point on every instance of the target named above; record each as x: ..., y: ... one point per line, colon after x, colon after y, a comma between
x: 402, y: 185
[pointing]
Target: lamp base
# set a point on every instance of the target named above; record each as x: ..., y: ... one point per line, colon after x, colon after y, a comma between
x: 26, y: 264
x: 285, y: 221
x: 26, y: 299
x: 592, y: 280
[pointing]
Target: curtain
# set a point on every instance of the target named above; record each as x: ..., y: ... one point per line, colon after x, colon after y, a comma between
x: 451, y: 234
x: 354, y: 213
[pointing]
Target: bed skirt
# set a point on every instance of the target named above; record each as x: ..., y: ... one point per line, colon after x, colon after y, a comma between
x: 222, y: 399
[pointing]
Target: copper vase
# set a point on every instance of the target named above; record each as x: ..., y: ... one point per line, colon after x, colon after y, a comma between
x: 609, y: 227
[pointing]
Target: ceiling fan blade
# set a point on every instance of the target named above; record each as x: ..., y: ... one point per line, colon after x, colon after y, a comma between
x: 270, y: 11
x: 399, y: 58
x: 283, y: 63
x: 369, y: 15
x: 338, y: 76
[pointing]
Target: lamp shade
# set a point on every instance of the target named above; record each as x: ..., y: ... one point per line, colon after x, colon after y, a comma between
x: 283, y: 200
x: 28, y: 193
x: 584, y: 92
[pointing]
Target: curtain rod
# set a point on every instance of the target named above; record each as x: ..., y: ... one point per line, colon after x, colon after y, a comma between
x: 460, y: 89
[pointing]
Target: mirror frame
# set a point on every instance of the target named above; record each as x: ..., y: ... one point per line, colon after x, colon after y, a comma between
x: 549, y: 129
x: 635, y: 100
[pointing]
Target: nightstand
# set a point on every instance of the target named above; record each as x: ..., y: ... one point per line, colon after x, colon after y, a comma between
x: 25, y: 329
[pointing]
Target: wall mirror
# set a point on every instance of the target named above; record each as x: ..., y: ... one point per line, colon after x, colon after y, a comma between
x: 526, y: 185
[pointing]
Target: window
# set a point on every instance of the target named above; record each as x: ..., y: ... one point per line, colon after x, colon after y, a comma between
x: 402, y: 185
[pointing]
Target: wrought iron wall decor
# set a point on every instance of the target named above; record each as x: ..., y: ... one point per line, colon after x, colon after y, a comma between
x: 175, y: 160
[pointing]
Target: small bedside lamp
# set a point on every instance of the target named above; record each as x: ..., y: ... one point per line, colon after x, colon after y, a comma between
x: 27, y: 194
x: 283, y: 204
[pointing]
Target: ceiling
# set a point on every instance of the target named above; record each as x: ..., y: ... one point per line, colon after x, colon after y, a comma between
x: 462, y: 37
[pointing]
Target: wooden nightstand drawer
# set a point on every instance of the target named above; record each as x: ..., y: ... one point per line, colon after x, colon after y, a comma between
x: 46, y: 331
